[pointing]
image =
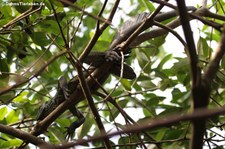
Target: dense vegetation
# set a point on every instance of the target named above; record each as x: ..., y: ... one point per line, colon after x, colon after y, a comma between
x: 176, y: 99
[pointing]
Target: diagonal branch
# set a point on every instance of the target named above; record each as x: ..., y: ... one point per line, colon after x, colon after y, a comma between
x: 215, y: 62
x: 87, y: 94
x: 195, y: 70
x: 21, y: 135
x: 153, y: 124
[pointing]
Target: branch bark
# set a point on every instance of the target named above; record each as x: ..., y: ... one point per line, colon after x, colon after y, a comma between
x: 22, y: 135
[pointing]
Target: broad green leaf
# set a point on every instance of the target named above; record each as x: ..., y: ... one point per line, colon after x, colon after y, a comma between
x: 163, y: 61
x: 12, y: 117
x: 102, y: 45
x: 126, y: 84
x: 141, y: 57
x: 160, y: 134
x: 40, y: 38
x: 21, y: 98
x: 89, y: 122
x: 155, y: 100
x: 147, y: 4
x: 3, y: 112
x: 10, y: 143
x: 148, y: 84
x: 203, y: 48
x: 50, y: 26
x: 7, y: 97
x: 158, y: 41
x: 181, y: 64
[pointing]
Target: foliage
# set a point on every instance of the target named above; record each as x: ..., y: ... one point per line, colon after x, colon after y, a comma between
x: 162, y: 87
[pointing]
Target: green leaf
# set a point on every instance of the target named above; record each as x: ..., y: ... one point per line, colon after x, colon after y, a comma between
x: 4, y: 69
x: 163, y: 61
x: 3, y: 112
x: 20, y: 98
x: 203, y: 48
x: 40, y: 38
x: 106, y: 36
x: 89, y: 122
x: 141, y: 57
x: 101, y: 45
x: 126, y: 84
x: 10, y: 143
x: 155, y: 100
x: 182, y: 64
x: 6, y: 12
x: 147, y: 4
x: 160, y: 134
x: 147, y: 84
x: 158, y: 41
x: 50, y: 26
x: 12, y: 117
x: 165, y: 84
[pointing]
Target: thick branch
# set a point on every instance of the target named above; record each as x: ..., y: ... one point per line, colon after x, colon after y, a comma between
x: 21, y: 135
x: 195, y: 70
x: 200, y: 91
x: 214, y: 63
x: 155, y: 33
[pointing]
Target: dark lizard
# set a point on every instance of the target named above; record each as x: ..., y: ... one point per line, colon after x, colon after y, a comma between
x: 65, y: 89
x: 68, y: 99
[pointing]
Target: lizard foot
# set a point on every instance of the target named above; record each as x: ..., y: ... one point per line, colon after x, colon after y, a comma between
x: 112, y: 56
x: 71, y: 129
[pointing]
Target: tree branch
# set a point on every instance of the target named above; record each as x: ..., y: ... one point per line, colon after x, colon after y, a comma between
x: 214, y: 64
x: 198, y: 15
x: 87, y: 94
x: 200, y: 89
x: 195, y: 70
x: 156, y: 123
x: 22, y: 135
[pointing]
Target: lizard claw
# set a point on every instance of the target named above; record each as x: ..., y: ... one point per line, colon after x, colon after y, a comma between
x: 69, y: 134
x: 66, y: 93
x: 112, y: 56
